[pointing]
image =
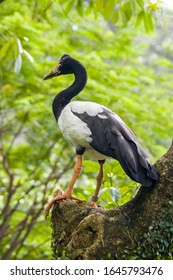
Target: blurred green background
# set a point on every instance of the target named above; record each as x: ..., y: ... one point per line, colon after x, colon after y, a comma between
x: 127, y: 48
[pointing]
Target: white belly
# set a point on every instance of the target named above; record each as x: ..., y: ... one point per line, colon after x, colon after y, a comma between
x: 73, y: 129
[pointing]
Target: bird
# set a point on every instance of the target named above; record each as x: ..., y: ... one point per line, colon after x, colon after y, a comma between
x: 96, y: 131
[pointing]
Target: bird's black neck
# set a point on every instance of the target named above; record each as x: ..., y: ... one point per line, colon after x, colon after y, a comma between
x: 65, y: 96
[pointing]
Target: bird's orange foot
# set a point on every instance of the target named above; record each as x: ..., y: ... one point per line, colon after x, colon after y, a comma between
x: 93, y: 204
x: 60, y: 196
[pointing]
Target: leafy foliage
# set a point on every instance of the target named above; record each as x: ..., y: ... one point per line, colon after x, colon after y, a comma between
x: 129, y: 71
x: 117, y: 11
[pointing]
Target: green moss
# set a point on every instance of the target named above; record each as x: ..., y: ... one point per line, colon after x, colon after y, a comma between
x: 157, y: 242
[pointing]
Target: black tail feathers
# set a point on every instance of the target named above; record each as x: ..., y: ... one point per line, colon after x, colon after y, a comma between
x: 152, y: 176
x: 137, y: 166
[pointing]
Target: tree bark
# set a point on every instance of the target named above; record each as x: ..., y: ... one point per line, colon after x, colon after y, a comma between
x: 139, y: 229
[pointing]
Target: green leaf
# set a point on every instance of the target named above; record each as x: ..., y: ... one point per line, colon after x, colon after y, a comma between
x: 20, y: 48
x: 118, y: 171
x: 89, y: 8
x: 107, y: 168
x: 139, y: 18
x: 18, y: 64
x: 69, y: 7
x: 108, y: 8
x: 99, y: 5
x: 115, y: 194
x: 148, y: 23
x: 90, y: 166
x: 107, y: 184
x: 28, y: 56
x: 115, y: 16
x: 140, y: 3
x: 127, y: 12
x: 102, y: 191
x: 5, y: 48
x: 80, y: 7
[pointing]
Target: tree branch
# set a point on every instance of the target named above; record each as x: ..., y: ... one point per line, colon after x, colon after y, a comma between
x: 141, y: 228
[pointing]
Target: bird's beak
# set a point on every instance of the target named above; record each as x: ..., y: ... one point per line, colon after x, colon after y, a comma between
x: 55, y: 72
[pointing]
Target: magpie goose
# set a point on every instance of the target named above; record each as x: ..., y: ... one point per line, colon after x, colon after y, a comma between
x: 96, y: 131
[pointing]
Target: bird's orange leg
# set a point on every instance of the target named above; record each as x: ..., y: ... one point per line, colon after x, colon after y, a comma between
x: 68, y: 192
x: 99, y: 181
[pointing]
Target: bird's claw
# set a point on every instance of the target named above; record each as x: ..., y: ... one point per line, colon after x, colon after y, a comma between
x: 93, y: 204
x: 59, y: 195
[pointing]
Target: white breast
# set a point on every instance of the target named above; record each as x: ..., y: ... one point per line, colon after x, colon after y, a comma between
x: 73, y: 129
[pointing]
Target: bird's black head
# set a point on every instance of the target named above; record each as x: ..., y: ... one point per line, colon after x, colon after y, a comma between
x: 65, y: 66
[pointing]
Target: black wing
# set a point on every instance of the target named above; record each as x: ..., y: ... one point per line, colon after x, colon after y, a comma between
x: 111, y: 137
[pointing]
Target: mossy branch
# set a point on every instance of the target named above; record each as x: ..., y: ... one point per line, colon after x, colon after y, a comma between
x: 139, y: 229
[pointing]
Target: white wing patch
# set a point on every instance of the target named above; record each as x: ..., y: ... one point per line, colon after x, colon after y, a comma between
x: 91, y: 108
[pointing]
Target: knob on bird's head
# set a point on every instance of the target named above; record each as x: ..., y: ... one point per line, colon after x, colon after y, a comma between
x: 62, y: 68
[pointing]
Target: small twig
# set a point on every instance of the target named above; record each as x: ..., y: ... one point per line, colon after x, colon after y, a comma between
x: 48, y: 6
x: 17, y: 132
x: 65, y: 14
x: 169, y: 180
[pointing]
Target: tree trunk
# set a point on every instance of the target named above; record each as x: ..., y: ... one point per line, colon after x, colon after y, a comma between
x: 139, y: 229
